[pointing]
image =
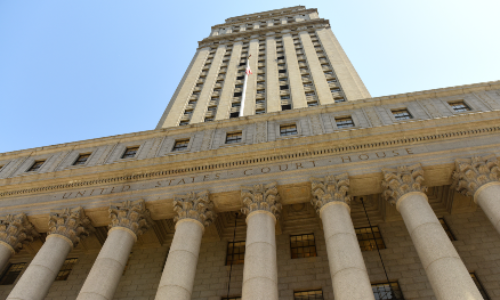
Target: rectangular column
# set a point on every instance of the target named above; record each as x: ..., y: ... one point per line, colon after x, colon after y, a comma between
x: 208, y: 86
x: 226, y: 96
x: 273, y: 99
x: 322, y: 87
x: 294, y: 78
x: 251, y: 92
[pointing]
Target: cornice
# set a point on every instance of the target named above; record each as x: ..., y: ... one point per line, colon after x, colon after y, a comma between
x: 261, y: 31
x: 256, y: 16
x: 221, y: 163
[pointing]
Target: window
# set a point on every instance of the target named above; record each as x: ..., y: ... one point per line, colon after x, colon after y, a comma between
x: 312, y: 104
x: 188, y: 112
x: 234, y: 115
x: 180, y: 145
x: 82, y: 159
x: 240, y: 77
x: 339, y: 100
x: 10, y: 276
x: 310, y: 94
x: 259, y: 112
x: 480, y: 286
x: 36, y: 166
x: 236, y: 104
x: 285, y: 97
x: 238, y: 86
x: 329, y: 73
x: 260, y: 101
x: 235, y: 253
x: 332, y: 80
x: 131, y: 151
x: 66, y: 269
x: 447, y: 229
x: 335, y: 90
x: 261, y: 92
x: 284, y: 87
x: 237, y: 94
x: 344, y: 122
x: 369, y: 238
x: 402, y: 114
x: 184, y: 123
x: 459, y: 106
x: 308, y: 84
x: 283, y: 79
x: 209, y: 119
x: 387, y: 291
x: 234, y: 137
x: 282, y: 71
x: 286, y: 107
x: 308, y: 295
x: 302, y: 245
x: 281, y: 57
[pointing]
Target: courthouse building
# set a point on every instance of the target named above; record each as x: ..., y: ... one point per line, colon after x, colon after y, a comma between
x: 310, y: 189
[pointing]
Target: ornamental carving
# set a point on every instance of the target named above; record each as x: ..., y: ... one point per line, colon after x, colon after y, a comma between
x: 71, y: 223
x: 261, y: 197
x: 402, y: 180
x: 329, y: 189
x: 132, y: 215
x: 196, y: 206
x: 471, y: 174
x: 16, y: 230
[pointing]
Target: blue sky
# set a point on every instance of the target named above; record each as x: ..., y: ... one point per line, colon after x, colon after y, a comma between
x: 75, y: 70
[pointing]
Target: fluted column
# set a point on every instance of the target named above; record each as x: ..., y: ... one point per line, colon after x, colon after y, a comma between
x: 349, y: 275
x: 65, y: 229
x: 194, y: 212
x: 128, y: 220
x: 479, y: 177
x: 15, y: 230
x: 446, y: 272
x: 260, y: 273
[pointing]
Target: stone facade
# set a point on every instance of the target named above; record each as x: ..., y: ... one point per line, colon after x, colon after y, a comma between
x: 159, y: 214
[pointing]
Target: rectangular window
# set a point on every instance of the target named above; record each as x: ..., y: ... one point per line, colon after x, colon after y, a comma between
x: 281, y: 57
x: 188, y: 112
x: 239, y: 86
x: 308, y: 295
x: 369, y: 238
x: 184, y: 123
x: 402, y: 114
x: 344, y: 122
x: 459, y: 106
x: 260, y: 101
x: 284, y: 87
x: 234, y: 137
x: 332, y: 80
x: 447, y: 229
x: 10, y: 276
x: 240, y: 77
x: 329, y: 73
x: 234, y: 115
x: 384, y: 291
x: 236, y: 104
x: 66, y: 269
x: 335, y: 90
x: 261, y: 92
x: 259, y: 112
x: 339, y: 100
x: 209, y: 119
x: 285, y: 97
x: 286, y: 107
x: 310, y: 94
x: 235, y: 253
x: 180, y: 145
x: 82, y: 159
x: 312, y: 104
x: 237, y: 94
x: 282, y: 71
x: 36, y: 166
x: 283, y: 79
x: 480, y: 286
x: 130, y: 152
x: 302, y: 245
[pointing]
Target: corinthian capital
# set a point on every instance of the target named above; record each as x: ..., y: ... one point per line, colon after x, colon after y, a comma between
x: 196, y: 206
x: 470, y: 174
x: 329, y: 189
x: 16, y: 230
x: 261, y: 197
x: 132, y: 215
x: 402, y: 180
x: 71, y: 223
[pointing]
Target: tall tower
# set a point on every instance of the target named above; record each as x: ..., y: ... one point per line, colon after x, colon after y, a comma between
x: 295, y: 59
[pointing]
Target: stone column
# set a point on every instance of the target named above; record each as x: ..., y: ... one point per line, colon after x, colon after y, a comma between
x: 349, y: 275
x: 260, y: 273
x: 128, y: 220
x: 479, y: 177
x: 446, y: 272
x: 15, y: 230
x: 65, y: 229
x: 194, y: 212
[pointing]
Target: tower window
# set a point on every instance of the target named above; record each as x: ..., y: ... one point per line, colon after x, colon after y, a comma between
x: 447, y: 229
x: 284, y: 87
x: 234, y: 137
x: 332, y: 80
x: 479, y: 286
x: 285, y: 97
x: 131, y: 151
x: 261, y: 92
x: 184, y: 123
x: 281, y: 57
x: 290, y: 129
x: 236, y: 104
x: 335, y: 90
x: 180, y: 145
x: 282, y: 71
x: 339, y: 100
x: 234, y: 115
x: 10, y: 276
x: 459, y: 106
x: 283, y: 79
x: 369, y: 238
x: 235, y: 253
x: 259, y: 112
x: 310, y: 94
x: 66, y: 269
x: 286, y: 107
x: 344, y: 122
x: 302, y: 246
x: 209, y: 119
x: 239, y: 86
x: 402, y: 114
x: 312, y: 104
x: 82, y: 159
x: 237, y: 94
x: 308, y: 295
x: 387, y: 291
x: 36, y: 166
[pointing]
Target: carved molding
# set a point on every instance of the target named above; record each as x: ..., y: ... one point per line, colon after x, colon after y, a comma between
x: 402, y: 180
x: 257, y: 17
x: 16, y: 230
x: 261, y: 197
x: 472, y: 173
x: 71, y: 223
x: 196, y: 206
x: 132, y: 215
x: 329, y: 189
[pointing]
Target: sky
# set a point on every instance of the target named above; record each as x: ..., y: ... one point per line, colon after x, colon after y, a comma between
x: 77, y: 70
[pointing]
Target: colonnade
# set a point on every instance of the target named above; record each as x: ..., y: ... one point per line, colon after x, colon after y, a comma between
x: 403, y: 187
